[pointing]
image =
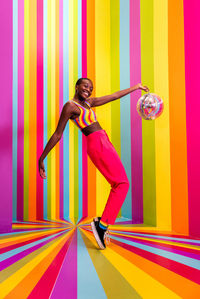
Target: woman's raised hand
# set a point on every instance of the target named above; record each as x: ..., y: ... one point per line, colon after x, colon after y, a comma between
x: 41, y: 169
x: 140, y: 86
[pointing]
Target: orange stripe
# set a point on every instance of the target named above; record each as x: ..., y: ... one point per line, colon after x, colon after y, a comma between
x: 24, y: 288
x: 32, y: 112
x: 168, y: 278
x: 22, y: 239
x: 177, y: 117
x: 57, y: 113
x: 91, y: 75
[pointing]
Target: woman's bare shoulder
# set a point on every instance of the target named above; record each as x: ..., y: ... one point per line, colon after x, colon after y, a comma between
x: 71, y: 109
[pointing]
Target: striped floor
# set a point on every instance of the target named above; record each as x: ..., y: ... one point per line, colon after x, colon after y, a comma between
x: 59, y: 260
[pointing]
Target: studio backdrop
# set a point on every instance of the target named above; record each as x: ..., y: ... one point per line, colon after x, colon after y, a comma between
x: 117, y: 44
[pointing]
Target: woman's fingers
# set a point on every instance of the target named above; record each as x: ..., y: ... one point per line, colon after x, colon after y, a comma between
x: 42, y: 173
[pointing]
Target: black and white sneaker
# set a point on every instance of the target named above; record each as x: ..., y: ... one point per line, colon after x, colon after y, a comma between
x: 98, y: 232
x: 96, y: 220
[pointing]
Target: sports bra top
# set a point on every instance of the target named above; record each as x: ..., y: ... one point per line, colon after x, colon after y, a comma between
x: 86, y: 117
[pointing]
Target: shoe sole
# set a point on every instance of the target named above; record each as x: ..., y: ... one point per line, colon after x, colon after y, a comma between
x: 96, y: 235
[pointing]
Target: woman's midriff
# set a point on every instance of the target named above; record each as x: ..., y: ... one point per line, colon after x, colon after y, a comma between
x: 91, y: 128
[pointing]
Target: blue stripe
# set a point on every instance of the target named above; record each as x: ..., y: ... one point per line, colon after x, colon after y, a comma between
x: 14, y: 107
x: 158, y: 237
x: 45, y: 101
x: 80, y: 179
x: 65, y: 99
x: 13, y: 252
x: 89, y: 284
x: 125, y: 101
x: 169, y: 255
x: 29, y: 231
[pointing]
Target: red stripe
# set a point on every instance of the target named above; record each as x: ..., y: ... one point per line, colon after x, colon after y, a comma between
x: 84, y: 150
x: 39, y: 194
x: 20, y: 125
x: 45, y: 285
x: 183, y: 270
x: 61, y: 105
x: 192, y: 66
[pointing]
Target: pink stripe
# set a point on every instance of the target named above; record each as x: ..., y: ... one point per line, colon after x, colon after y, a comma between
x: 192, y: 66
x: 84, y: 148
x: 66, y: 282
x: 47, y: 282
x: 6, y: 74
x: 61, y: 100
x: 39, y: 104
x: 183, y: 270
x: 20, y: 125
x: 84, y: 38
x: 136, y: 123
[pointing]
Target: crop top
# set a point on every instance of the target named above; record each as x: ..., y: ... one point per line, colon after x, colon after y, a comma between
x: 86, y: 117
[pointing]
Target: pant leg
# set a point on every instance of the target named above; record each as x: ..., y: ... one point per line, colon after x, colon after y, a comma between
x: 105, y: 158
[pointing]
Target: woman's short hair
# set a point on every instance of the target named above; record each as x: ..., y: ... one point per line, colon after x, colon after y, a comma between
x: 79, y: 81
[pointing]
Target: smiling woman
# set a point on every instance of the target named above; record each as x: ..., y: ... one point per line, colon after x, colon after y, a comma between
x: 99, y: 148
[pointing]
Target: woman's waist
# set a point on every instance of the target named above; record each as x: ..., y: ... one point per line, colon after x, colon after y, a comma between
x: 94, y: 127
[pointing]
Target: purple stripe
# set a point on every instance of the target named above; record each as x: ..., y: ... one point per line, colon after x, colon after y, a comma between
x: 163, y: 247
x: 185, y: 271
x: 67, y: 280
x: 6, y: 116
x: 61, y: 102
x: 6, y: 263
x: 20, y: 133
x: 136, y: 122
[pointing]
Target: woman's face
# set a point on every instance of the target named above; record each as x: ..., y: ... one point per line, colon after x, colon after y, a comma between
x: 84, y: 89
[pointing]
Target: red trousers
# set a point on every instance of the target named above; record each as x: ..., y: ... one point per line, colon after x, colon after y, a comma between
x: 106, y: 159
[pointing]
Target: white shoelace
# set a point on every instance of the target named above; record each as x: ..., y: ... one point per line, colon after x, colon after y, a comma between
x: 107, y: 237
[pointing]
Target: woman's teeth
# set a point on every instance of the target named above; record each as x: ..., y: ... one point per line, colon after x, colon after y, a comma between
x: 86, y: 93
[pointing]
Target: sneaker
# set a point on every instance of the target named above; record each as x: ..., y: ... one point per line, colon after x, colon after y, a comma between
x: 99, y: 233
x: 96, y: 220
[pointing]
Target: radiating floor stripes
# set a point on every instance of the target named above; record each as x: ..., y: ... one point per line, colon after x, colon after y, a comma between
x: 61, y: 260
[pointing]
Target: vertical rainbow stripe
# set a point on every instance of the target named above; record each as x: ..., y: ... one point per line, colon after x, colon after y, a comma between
x: 116, y: 44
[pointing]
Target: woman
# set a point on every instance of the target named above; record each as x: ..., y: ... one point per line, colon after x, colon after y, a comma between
x: 99, y: 148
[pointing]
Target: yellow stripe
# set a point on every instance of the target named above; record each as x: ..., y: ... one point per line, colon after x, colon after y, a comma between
x: 28, y: 235
x: 71, y: 125
x: 12, y: 281
x: 26, y: 109
x: 53, y: 111
x: 49, y: 106
x: 103, y: 86
x: 135, y: 276
x: 32, y: 111
x: 158, y: 241
x: 162, y: 146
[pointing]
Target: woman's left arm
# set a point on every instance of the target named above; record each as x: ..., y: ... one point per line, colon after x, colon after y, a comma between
x: 117, y: 95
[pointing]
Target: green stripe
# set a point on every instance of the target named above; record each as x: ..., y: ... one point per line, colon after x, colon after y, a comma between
x: 26, y: 109
x: 114, y: 284
x: 148, y: 127
x: 75, y: 77
x: 115, y: 75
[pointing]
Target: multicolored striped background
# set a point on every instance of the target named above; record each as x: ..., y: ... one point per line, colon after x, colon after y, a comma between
x: 50, y: 260
x: 116, y: 43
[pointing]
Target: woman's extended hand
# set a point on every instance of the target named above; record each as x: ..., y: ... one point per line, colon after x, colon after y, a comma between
x: 140, y: 86
x: 41, y: 169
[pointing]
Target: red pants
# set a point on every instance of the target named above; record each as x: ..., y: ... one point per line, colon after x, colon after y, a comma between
x: 105, y: 158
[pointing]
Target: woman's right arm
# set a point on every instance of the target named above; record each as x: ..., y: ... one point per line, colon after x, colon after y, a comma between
x: 64, y: 117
